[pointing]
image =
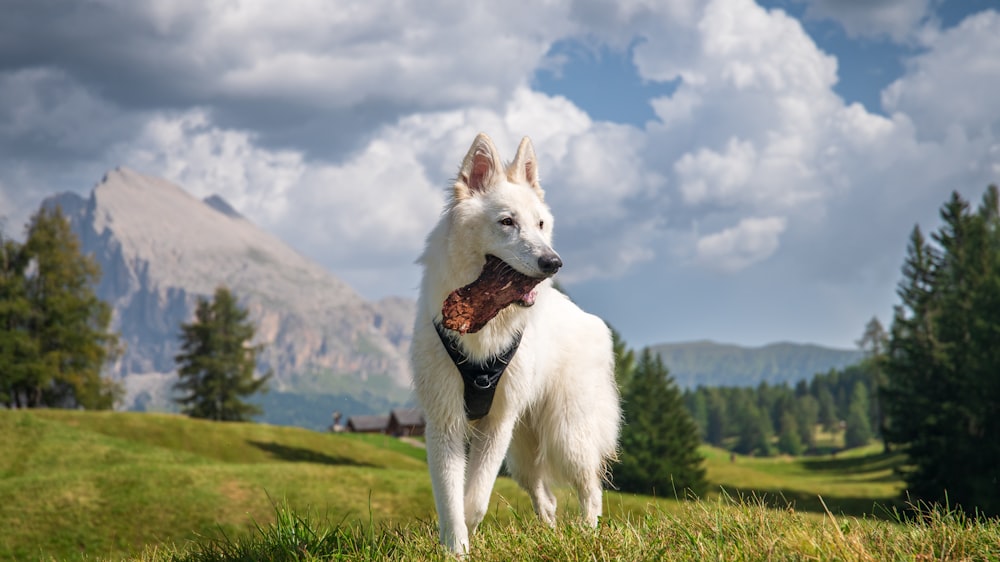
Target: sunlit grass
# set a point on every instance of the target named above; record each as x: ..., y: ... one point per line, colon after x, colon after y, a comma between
x: 84, y: 485
x: 721, y: 529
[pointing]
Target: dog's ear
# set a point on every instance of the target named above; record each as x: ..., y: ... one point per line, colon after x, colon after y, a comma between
x: 524, y: 168
x: 480, y: 169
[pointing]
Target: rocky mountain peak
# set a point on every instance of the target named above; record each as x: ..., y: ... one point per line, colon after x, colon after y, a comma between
x: 160, y: 249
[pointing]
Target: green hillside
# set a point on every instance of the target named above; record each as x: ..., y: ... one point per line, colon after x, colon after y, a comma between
x: 99, y: 484
x: 108, y: 483
x: 708, y: 363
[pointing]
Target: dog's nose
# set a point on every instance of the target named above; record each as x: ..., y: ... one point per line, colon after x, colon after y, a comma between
x: 549, y: 263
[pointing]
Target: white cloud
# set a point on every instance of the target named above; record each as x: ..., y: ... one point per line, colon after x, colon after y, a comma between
x: 707, y: 174
x: 733, y: 249
x: 897, y: 19
x: 205, y: 159
x: 955, y: 83
x: 746, y: 126
x: 755, y: 130
x: 373, y: 209
x: 367, y: 210
x: 741, y: 45
x: 324, y: 54
x: 748, y: 132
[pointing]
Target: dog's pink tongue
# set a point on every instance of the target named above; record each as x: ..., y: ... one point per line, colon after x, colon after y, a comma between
x: 528, y: 298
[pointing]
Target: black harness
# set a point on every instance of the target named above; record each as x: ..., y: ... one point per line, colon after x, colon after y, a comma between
x: 480, y: 379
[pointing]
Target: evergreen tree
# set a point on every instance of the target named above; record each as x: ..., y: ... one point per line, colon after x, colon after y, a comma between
x: 19, y: 360
x: 782, y: 403
x: 874, y: 341
x: 697, y: 405
x: 54, y: 328
x: 717, y: 423
x: 624, y: 359
x: 827, y: 409
x: 217, y: 363
x: 942, y: 390
x: 789, y: 441
x: 859, y: 431
x: 660, y: 440
x: 755, y: 430
x: 806, y: 417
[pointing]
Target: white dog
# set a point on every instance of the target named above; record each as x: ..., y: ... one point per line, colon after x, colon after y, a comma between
x: 555, y: 411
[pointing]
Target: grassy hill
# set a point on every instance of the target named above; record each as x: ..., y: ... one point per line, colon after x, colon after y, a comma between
x: 83, y: 485
x: 708, y: 363
x: 104, y: 484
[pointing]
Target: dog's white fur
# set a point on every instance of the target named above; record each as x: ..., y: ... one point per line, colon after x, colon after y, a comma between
x: 556, y: 412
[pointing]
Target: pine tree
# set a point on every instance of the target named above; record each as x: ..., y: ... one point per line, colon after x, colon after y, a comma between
x: 217, y: 363
x: 624, y: 359
x: 697, y: 405
x: 60, y: 340
x: 911, y: 368
x: 789, y: 441
x: 827, y: 409
x: 18, y: 352
x: 874, y: 343
x: 717, y: 418
x: 859, y: 430
x: 755, y: 430
x: 806, y: 417
x: 942, y: 391
x: 660, y: 440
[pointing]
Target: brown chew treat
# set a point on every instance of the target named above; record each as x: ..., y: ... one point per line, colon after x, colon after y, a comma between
x: 468, y: 309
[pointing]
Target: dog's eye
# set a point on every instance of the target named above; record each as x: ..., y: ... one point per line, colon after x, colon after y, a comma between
x: 541, y: 224
x: 507, y: 221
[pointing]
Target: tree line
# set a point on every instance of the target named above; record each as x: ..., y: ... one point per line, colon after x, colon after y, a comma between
x: 784, y: 419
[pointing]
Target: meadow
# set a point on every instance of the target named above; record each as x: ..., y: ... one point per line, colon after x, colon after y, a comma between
x: 100, y: 485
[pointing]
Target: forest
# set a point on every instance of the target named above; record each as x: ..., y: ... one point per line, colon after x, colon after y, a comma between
x: 781, y: 419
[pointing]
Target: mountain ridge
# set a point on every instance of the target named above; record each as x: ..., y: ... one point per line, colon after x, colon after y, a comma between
x: 709, y: 363
x: 161, y: 249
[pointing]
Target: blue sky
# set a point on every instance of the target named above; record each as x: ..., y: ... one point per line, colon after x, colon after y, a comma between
x: 740, y: 171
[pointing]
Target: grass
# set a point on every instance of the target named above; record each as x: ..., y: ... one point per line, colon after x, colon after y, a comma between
x: 722, y: 529
x: 85, y: 485
x: 859, y: 482
x: 78, y: 483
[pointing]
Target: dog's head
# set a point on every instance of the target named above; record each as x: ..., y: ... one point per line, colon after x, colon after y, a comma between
x: 504, y: 209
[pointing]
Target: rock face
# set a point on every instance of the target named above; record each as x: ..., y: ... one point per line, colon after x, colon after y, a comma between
x: 160, y: 249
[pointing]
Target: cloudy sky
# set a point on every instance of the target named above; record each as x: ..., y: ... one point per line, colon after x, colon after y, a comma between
x: 719, y: 169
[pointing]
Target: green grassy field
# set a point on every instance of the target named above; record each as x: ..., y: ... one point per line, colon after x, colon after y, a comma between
x: 86, y: 485
x: 859, y: 482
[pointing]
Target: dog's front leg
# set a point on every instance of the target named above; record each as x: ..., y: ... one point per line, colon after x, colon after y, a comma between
x: 446, y: 460
x: 488, y: 445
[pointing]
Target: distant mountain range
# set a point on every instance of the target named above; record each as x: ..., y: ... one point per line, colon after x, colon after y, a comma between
x: 160, y: 249
x: 708, y: 363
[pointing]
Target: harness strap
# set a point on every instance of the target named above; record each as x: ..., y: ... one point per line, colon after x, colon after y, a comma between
x: 480, y: 379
